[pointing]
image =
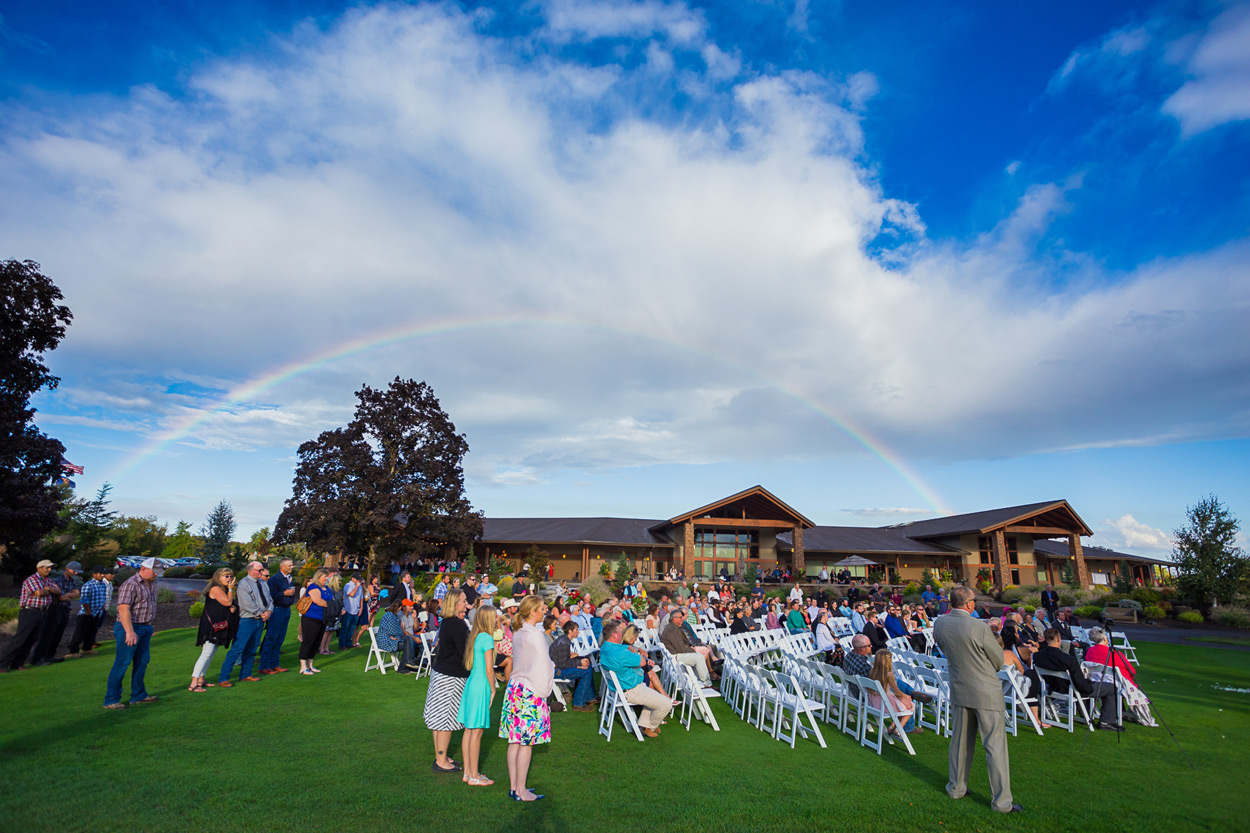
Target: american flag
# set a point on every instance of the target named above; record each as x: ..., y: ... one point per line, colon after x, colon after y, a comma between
x: 66, y: 465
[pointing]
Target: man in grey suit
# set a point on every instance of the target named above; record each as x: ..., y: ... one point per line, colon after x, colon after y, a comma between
x: 974, y: 658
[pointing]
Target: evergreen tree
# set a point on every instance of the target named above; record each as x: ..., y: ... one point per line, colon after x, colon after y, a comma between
x: 1068, y: 576
x: 90, y: 523
x: 218, y: 530
x: 1213, y: 569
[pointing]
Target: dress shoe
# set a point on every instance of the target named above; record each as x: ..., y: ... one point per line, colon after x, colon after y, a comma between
x: 586, y: 708
x: 651, y: 733
x: 250, y: 680
x: 268, y: 671
x: 1110, y: 727
x: 281, y: 670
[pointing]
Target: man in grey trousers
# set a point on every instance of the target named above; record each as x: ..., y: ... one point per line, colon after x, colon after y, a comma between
x: 975, y: 658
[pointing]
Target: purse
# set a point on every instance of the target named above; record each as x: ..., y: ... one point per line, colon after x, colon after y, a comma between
x: 218, y: 627
x: 303, y: 604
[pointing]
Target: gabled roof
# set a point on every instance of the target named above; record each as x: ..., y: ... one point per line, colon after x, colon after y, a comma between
x: 636, y: 531
x: 1059, y: 549
x: 1051, y: 513
x: 859, y: 539
x: 755, y: 502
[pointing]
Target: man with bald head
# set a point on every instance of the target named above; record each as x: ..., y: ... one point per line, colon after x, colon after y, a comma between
x: 255, y: 608
x: 974, y: 657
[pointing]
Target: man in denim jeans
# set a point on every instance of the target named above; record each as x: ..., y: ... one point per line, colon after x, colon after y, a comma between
x: 282, y: 593
x: 255, y: 608
x: 136, y: 608
x: 353, y: 595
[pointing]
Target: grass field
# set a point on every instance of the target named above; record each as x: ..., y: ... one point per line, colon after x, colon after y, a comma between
x: 1243, y: 641
x: 344, y: 751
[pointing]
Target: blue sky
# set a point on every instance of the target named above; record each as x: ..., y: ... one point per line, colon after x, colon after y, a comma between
x: 888, y: 260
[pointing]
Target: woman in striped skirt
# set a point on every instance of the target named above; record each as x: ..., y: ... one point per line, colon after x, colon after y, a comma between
x: 447, y: 679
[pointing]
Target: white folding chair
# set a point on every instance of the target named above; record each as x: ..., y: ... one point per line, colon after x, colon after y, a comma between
x: 615, y: 705
x: 429, y: 641
x: 876, y: 714
x: 378, y: 658
x: 1017, y: 700
x: 1063, y: 705
x: 936, y: 714
x: 792, y: 706
x: 1119, y: 641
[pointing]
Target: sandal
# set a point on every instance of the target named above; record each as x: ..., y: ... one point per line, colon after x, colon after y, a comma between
x: 480, y: 781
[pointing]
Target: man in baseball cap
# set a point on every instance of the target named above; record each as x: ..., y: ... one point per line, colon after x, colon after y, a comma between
x: 38, y: 593
x: 58, y: 615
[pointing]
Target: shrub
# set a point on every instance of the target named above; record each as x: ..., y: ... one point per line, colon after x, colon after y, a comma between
x: 912, y: 589
x: 1145, y: 595
x: 505, y: 587
x: 1191, y: 616
x: 1101, y: 588
x: 1232, y: 616
x: 1012, y: 594
x: 165, y: 596
x: 8, y: 610
x: 593, y: 588
x: 1068, y: 599
x: 927, y: 579
x: 1031, y: 600
x: 1080, y: 595
x: 196, y: 610
x: 985, y: 587
x: 1153, y: 612
x: 1135, y: 605
x: 1088, y: 612
x: 1030, y: 609
x: 121, y: 576
x: 1032, y: 588
x: 193, y: 594
x: 178, y: 572
x: 912, y: 599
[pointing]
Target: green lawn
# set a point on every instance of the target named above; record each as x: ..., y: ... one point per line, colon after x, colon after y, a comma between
x: 1243, y: 641
x: 347, y: 751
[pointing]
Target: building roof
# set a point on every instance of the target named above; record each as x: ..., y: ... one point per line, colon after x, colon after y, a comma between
x: 1051, y: 512
x: 758, y: 501
x: 1059, y: 549
x: 859, y: 539
x: 626, y: 531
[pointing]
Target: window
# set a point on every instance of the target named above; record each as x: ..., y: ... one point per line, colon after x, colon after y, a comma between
x: 1013, y: 554
x: 717, y: 548
x: 986, y: 546
x: 1015, y: 577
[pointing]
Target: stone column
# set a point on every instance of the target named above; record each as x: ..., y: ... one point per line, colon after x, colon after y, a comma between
x: 1078, y: 555
x: 800, y: 558
x: 1002, y: 577
x: 687, y: 550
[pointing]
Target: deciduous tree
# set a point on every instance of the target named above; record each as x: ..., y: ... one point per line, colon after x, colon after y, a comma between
x: 389, y: 483
x: 32, y: 322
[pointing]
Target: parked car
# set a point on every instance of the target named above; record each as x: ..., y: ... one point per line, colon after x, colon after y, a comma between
x: 189, y: 561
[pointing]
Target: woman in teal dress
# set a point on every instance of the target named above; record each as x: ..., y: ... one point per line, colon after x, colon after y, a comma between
x: 479, y: 658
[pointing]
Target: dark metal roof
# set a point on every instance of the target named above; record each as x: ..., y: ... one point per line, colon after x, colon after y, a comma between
x: 983, y: 521
x: 1059, y: 549
x: 860, y: 539
x: 759, y: 501
x: 628, y: 531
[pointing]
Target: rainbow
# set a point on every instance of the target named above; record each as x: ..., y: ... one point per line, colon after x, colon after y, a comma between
x: 407, y: 332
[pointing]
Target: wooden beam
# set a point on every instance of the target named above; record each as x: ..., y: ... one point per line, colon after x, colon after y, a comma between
x: 747, y: 523
x: 1039, y: 530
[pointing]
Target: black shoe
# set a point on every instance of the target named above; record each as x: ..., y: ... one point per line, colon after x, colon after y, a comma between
x: 38, y: 663
x: 56, y: 659
x: 1110, y: 727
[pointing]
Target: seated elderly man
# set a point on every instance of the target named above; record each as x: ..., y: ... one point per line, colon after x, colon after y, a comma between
x: 675, y: 638
x: 584, y: 616
x: 574, y: 667
x: 630, y: 669
x: 391, y: 636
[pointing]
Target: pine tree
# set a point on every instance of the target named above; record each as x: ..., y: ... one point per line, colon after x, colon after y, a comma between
x: 1213, y: 569
x: 218, y: 530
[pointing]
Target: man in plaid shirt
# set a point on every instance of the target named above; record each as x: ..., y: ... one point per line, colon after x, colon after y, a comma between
x: 33, y: 604
x: 136, y: 608
x: 93, y: 605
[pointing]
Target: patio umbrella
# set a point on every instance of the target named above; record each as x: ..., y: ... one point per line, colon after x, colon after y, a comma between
x: 856, y: 561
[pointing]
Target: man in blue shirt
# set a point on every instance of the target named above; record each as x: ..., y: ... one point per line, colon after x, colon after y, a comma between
x: 282, y: 592
x: 353, y: 598
x: 90, y: 614
x: 928, y: 595
x: 629, y: 668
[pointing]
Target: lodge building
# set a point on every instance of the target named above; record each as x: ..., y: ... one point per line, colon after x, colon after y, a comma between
x: 1019, y: 544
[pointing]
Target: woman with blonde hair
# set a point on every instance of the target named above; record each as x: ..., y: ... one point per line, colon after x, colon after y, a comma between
x: 334, y: 602
x: 215, y: 631
x: 526, y: 719
x: 312, y: 621
x: 899, y: 703
x: 629, y: 636
x: 447, y: 679
x: 479, y: 691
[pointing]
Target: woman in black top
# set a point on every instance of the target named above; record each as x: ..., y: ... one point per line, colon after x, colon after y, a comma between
x: 216, y: 628
x: 447, y: 679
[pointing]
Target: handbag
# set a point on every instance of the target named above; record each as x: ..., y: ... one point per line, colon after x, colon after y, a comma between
x: 301, y: 607
x: 218, y: 627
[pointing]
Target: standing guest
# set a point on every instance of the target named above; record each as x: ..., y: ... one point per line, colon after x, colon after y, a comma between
x: 353, y: 606
x: 91, y: 612
x: 630, y: 668
x: 312, y: 622
x: 447, y: 679
x: 255, y: 608
x: 58, y: 615
x: 470, y: 590
x: 479, y: 691
x: 36, y: 597
x: 440, y: 589
x: 1050, y: 602
x: 976, y: 697
x: 215, y: 630
x: 526, y: 719
x: 373, y: 603
x: 519, y: 589
x: 334, y: 607
x: 282, y: 592
x: 132, y: 632
x: 109, y: 572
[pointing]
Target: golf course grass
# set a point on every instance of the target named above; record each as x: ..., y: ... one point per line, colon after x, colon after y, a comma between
x: 348, y: 751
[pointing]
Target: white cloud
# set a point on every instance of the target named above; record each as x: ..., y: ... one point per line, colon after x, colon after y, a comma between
x: 1132, y: 534
x: 631, y: 290
x: 1218, y: 66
